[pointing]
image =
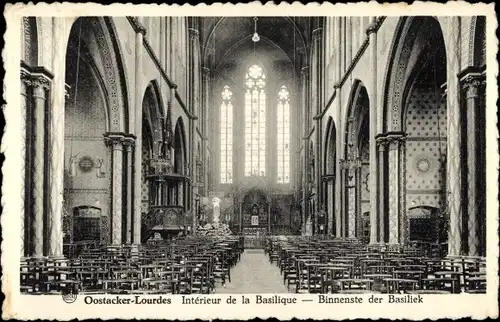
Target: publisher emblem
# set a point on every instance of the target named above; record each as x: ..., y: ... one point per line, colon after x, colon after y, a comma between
x: 69, y: 294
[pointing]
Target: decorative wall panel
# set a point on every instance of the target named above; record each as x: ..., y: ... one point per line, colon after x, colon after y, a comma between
x: 426, y: 128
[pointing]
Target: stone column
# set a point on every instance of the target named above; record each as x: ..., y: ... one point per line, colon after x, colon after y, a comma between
x: 205, y: 125
x: 115, y: 141
x: 139, y: 37
x: 305, y: 141
x: 394, y: 187
x: 453, y: 140
x: 60, y: 31
x: 25, y: 84
x: 193, y: 70
x: 40, y: 88
x: 381, y: 189
x: 317, y: 99
x: 342, y: 193
x: 331, y: 207
x: 128, y: 144
x: 471, y: 84
x: 403, y: 218
x: 374, y: 207
x: 338, y: 116
x: 351, y: 200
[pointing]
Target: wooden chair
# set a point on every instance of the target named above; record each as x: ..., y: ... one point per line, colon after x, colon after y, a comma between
x: 399, y: 285
x: 355, y: 284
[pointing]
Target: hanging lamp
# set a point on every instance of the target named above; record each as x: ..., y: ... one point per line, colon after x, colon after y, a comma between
x: 255, y: 37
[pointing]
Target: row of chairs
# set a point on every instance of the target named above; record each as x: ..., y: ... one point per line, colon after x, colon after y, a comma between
x: 192, y: 265
x: 340, y: 265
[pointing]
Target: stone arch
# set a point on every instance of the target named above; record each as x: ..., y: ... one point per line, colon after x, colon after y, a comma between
x: 330, y: 147
x: 180, y: 148
x: 153, y: 114
x: 477, y: 41
x: 330, y: 168
x: 96, y: 105
x: 404, y: 56
x: 357, y: 166
x: 414, y: 133
x: 99, y: 43
x: 30, y: 41
x: 357, y: 113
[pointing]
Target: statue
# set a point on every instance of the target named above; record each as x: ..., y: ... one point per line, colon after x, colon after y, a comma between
x: 216, y: 212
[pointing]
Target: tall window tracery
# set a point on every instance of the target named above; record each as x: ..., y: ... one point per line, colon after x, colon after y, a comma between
x: 255, y: 122
x: 226, y: 136
x: 283, y: 136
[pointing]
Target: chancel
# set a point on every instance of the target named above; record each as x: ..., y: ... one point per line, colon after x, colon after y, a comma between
x: 182, y: 155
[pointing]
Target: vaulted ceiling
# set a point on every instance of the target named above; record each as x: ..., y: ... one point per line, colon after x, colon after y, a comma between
x: 224, y: 38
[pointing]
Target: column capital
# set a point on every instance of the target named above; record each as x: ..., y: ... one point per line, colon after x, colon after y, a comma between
x: 67, y: 91
x: 472, y: 83
x: 128, y: 142
x: 205, y: 71
x: 444, y: 89
x: 317, y: 32
x: 193, y: 32
x: 115, y: 140
x: 26, y: 78
x: 382, y: 143
x: 40, y: 81
x: 394, y: 140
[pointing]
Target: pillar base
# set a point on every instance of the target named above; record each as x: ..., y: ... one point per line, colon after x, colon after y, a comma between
x: 56, y: 257
x: 37, y: 257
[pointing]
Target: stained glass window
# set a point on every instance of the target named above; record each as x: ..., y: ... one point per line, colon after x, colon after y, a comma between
x: 255, y: 122
x: 283, y: 135
x: 226, y: 136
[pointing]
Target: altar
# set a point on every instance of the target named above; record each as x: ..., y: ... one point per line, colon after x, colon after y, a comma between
x: 255, y: 221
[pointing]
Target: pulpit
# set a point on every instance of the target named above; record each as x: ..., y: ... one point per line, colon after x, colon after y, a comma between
x: 167, y: 215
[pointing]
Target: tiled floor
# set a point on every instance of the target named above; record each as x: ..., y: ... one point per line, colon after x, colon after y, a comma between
x: 254, y: 274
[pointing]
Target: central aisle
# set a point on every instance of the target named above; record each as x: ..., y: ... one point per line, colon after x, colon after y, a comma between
x: 254, y: 274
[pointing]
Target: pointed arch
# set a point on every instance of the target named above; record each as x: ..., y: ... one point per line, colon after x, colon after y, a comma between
x: 477, y: 41
x: 97, y: 39
x: 357, y: 112
x: 180, y: 148
x: 414, y: 36
x: 153, y: 115
x: 330, y: 147
x: 30, y: 41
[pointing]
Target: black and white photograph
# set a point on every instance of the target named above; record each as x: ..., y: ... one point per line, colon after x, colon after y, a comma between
x: 271, y: 159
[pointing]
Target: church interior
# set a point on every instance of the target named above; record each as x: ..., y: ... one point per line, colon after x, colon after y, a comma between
x: 183, y: 155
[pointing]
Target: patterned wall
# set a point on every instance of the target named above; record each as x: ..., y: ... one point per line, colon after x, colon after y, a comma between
x: 87, y: 159
x: 365, y: 170
x: 144, y: 183
x: 425, y: 147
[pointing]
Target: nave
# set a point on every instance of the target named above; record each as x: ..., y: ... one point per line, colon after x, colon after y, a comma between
x: 312, y: 139
x: 286, y: 265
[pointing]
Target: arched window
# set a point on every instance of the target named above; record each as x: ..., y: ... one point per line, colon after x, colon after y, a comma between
x: 226, y: 136
x: 283, y: 133
x: 255, y: 122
